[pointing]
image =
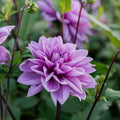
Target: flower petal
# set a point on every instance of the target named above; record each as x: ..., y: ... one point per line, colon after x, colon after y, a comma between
x: 87, y: 81
x: 34, y: 90
x: 4, y: 55
x: 5, y: 32
x: 61, y: 95
x: 45, y: 7
x: 51, y: 85
x: 29, y: 78
x: 77, y: 94
x: 75, y: 84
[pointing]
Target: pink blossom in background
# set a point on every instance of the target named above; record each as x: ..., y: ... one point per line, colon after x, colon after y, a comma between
x: 58, y: 68
x: 5, y: 32
x: 70, y: 20
x: 4, y: 53
x: 95, y: 7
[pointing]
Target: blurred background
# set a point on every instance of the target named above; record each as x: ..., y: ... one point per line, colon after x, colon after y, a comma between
x: 102, y: 46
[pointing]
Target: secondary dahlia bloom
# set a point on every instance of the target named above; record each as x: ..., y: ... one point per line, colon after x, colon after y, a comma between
x: 94, y: 7
x: 59, y: 68
x: 70, y: 20
x: 4, y: 53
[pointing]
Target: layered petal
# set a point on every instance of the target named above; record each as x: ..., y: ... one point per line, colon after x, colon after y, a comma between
x: 61, y: 95
x: 29, y: 78
x: 70, y: 20
x: 4, y: 55
x: 59, y: 68
x: 5, y: 32
x: 34, y: 89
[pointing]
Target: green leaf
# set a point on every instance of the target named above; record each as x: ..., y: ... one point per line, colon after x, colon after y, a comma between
x: 3, y: 71
x: 114, y: 38
x: 73, y: 105
x: 25, y: 103
x: 28, y: 22
x: 100, y: 12
x: 13, y: 12
x: 17, y: 58
x: 57, y: 5
x: 62, y: 6
x: 112, y: 94
x: 101, y: 68
x: 16, y: 111
x: 65, y: 5
x: 12, y: 85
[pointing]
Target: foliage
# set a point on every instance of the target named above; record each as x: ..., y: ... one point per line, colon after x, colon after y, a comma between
x: 62, y: 6
x: 102, y: 46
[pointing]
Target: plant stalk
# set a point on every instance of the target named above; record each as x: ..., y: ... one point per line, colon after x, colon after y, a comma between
x: 8, y: 75
x: 63, y: 28
x: 78, y: 23
x: 1, y: 106
x: 58, y: 111
x: 97, y: 97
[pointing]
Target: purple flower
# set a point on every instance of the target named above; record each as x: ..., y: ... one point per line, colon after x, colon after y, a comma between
x: 70, y: 20
x: 96, y: 5
x: 59, y: 68
x: 4, y: 53
x: 95, y: 10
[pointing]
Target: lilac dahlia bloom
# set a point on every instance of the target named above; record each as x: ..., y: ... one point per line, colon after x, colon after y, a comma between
x: 70, y: 20
x: 59, y: 68
x: 95, y: 5
x: 4, y: 53
x: 95, y: 10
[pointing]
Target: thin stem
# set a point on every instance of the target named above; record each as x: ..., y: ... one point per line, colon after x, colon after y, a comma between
x: 97, y: 98
x: 8, y: 80
x: 1, y: 106
x: 96, y: 91
x: 13, y: 33
x: 63, y: 28
x: 58, y: 111
x: 82, y: 4
x: 12, y: 115
x: 16, y: 8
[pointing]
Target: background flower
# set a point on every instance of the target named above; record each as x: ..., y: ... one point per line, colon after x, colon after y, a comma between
x: 59, y: 68
x: 70, y: 20
x: 5, y: 32
x: 95, y: 7
x: 4, y: 53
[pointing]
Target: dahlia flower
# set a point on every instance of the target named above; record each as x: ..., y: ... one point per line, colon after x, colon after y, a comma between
x: 95, y: 10
x: 70, y: 20
x: 58, y: 68
x: 4, y: 53
x: 95, y: 5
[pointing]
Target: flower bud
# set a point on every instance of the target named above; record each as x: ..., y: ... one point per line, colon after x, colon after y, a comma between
x: 28, y: 2
x: 32, y: 8
x: 91, y: 1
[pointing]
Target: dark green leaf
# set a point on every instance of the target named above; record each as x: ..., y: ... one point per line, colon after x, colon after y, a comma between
x: 112, y: 94
x: 25, y: 103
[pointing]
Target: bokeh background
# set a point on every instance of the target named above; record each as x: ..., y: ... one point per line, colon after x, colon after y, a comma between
x: 102, y: 46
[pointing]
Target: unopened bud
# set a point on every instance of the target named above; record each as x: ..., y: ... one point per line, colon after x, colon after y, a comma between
x: 28, y: 2
x: 33, y: 8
